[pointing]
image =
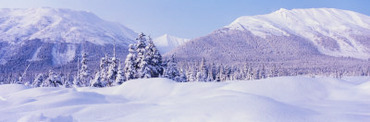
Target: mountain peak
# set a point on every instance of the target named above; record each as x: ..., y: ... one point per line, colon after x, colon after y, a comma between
x: 167, y: 42
x: 165, y: 35
x: 281, y: 10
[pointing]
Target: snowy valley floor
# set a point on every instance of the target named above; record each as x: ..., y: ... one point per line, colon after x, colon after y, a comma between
x: 160, y: 100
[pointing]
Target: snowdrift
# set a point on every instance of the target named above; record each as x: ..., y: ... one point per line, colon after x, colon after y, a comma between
x: 162, y: 100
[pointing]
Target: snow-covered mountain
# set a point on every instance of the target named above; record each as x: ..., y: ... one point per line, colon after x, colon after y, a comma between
x: 166, y: 43
x: 334, y: 32
x: 48, y: 37
x: 298, y: 38
x: 60, y: 25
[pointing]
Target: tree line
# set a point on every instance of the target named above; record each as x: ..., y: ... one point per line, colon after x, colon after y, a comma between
x: 145, y: 61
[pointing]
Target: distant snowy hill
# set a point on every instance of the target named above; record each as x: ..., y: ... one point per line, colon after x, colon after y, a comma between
x: 60, y: 25
x: 166, y: 43
x: 305, y: 38
x: 282, y: 99
x: 48, y: 37
x: 334, y: 32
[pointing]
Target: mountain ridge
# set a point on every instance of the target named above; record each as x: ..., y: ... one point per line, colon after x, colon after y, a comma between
x: 334, y: 32
x: 60, y: 25
x: 245, y: 44
x: 53, y: 38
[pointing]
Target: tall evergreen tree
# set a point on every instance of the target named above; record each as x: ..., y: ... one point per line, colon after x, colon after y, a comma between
x: 120, y: 76
x: 112, y: 71
x: 145, y: 69
x: 258, y: 73
x: 191, y: 74
x: 84, y: 73
x: 202, y: 75
x: 151, y: 62
x: 263, y: 72
x: 250, y: 73
x: 130, y: 63
x: 171, y: 71
x: 221, y: 73
x: 210, y: 76
x: 140, y: 51
x: 101, y: 79
x: 155, y: 59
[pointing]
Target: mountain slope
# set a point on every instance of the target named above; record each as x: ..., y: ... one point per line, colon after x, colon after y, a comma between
x: 47, y: 37
x: 285, y: 35
x: 166, y: 43
x: 60, y: 25
x: 334, y: 32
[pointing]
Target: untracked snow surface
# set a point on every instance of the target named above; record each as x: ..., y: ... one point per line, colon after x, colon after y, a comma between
x: 284, y: 99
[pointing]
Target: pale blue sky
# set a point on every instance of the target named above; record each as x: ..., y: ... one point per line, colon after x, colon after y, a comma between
x: 183, y: 18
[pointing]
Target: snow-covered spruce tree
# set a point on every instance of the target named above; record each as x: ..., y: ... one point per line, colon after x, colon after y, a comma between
x: 76, y: 81
x: 210, y: 76
x: 151, y: 63
x: 182, y: 77
x: 237, y: 75
x: 53, y: 80
x: 155, y: 59
x: 243, y: 69
x: 221, y: 75
x: 104, y: 67
x: 112, y: 71
x: 228, y: 73
x: 171, y: 71
x: 203, y: 71
x: 214, y: 70
x: 38, y: 81
x: 199, y: 77
x: 145, y: 69
x: 84, y: 73
x: 100, y: 79
x: 190, y: 74
x: 97, y: 81
x: 263, y: 72
x: 130, y: 63
x: 257, y: 74
x: 273, y: 71
x: 250, y: 74
x: 140, y: 51
x: 120, y: 75
x: 67, y: 83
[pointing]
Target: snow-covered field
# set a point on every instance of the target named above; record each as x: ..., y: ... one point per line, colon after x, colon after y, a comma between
x: 284, y: 99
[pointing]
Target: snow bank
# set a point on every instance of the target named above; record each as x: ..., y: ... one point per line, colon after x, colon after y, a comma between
x: 274, y: 99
